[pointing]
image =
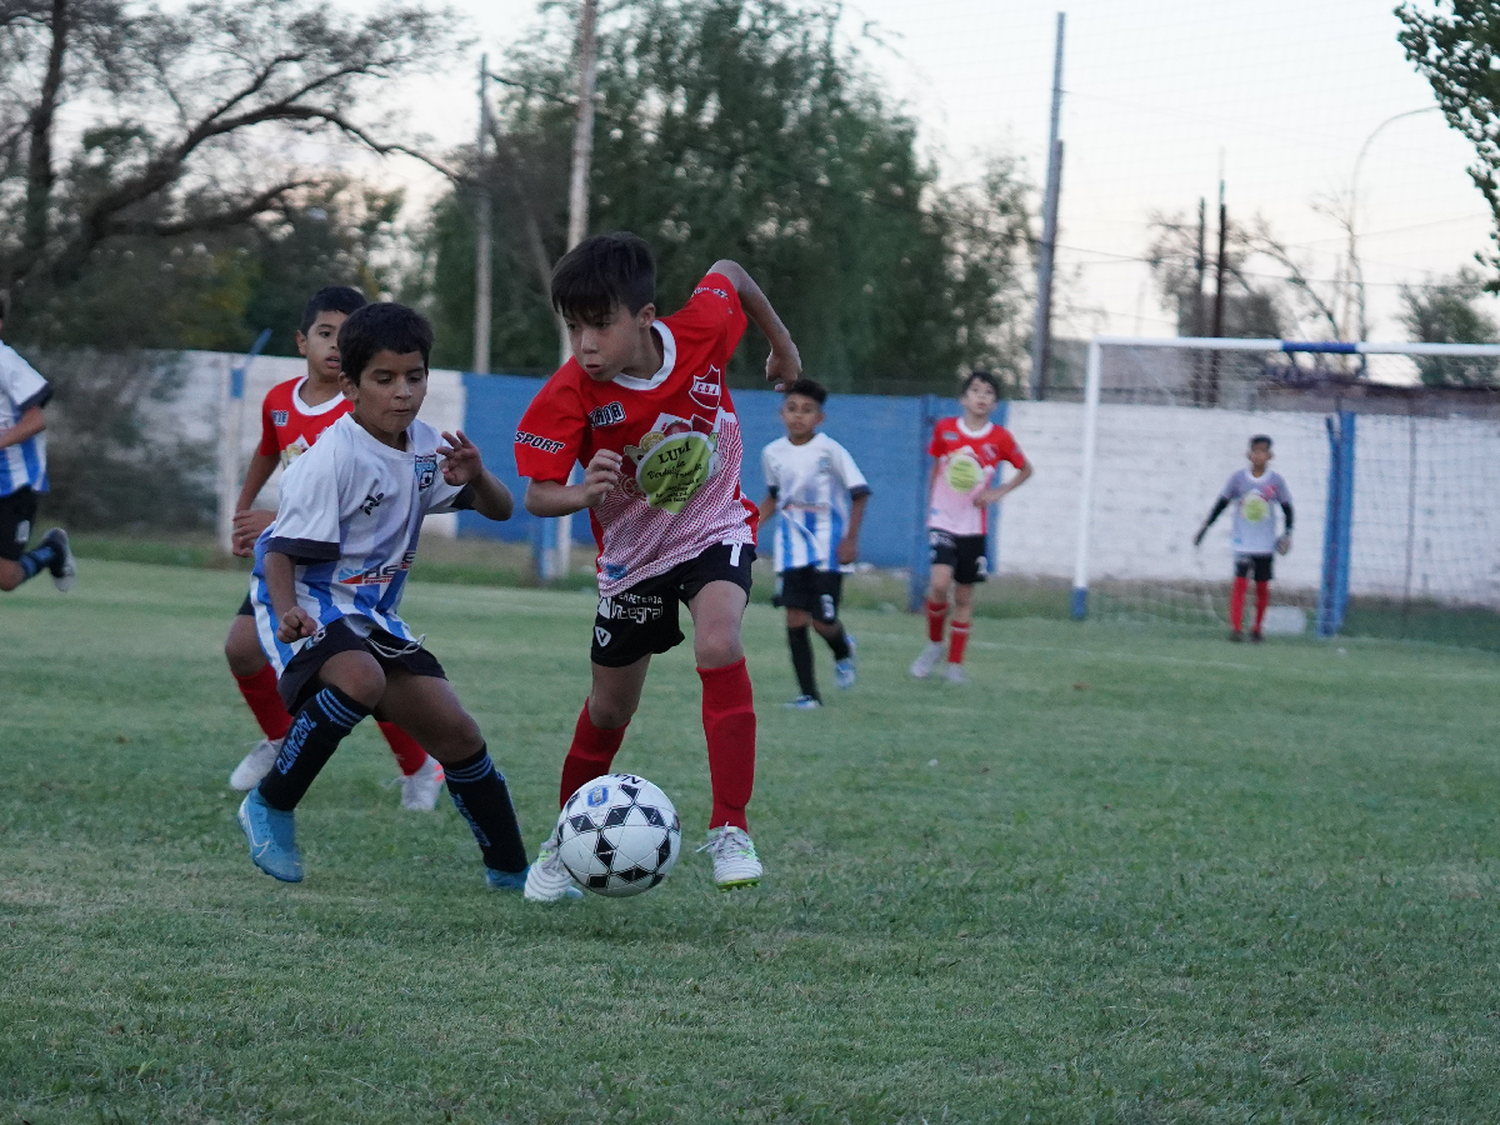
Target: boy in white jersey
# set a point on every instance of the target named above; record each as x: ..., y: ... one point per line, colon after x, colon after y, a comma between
x: 1253, y: 492
x: 644, y: 408
x: 293, y: 416
x: 328, y: 581
x: 967, y: 452
x: 818, y: 492
x: 23, y: 474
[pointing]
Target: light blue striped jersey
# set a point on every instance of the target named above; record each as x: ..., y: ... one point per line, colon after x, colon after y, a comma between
x: 350, y: 516
x: 812, y: 484
x: 23, y: 465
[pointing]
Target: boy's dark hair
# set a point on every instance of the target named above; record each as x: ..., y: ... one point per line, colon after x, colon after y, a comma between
x: 986, y: 377
x: 332, y: 298
x: 808, y: 388
x: 381, y: 327
x: 602, y: 272
x: 1260, y: 439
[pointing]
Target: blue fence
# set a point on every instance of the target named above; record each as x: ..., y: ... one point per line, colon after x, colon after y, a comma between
x: 886, y: 435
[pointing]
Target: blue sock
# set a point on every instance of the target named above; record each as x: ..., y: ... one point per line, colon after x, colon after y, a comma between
x: 41, y: 558
x: 317, y: 730
x: 482, y: 798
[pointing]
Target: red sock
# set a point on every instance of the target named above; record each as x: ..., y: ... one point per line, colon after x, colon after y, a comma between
x: 1237, y: 604
x: 1262, y: 599
x: 937, y: 614
x: 409, y: 753
x: 729, y: 726
x: 958, y: 640
x: 259, y: 690
x: 589, y: 755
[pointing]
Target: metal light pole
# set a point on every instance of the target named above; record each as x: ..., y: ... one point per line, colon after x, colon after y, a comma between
x: 1041, y: 340
x: 484, y: 236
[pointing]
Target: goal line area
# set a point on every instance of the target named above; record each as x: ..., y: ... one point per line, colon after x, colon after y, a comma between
x: 1388, y: 452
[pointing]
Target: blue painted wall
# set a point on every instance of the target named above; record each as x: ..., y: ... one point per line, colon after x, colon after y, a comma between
x: 886, y: 435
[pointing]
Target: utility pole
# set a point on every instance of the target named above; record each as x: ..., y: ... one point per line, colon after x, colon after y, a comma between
x: 1201, y: 264
x: 556, y: 565
x: 1041, y: 341
x: 1213, y: 380
x: 484, y: 235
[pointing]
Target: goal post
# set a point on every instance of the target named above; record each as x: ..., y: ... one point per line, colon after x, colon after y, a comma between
x: 1387, y: 475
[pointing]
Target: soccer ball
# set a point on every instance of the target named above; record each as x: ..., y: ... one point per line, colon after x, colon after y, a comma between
x: 618, y: 835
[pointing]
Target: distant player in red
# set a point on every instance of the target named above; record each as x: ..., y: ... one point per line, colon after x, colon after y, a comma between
x: 644, y: 408
x: 967, y: 452
x: 293, y: 415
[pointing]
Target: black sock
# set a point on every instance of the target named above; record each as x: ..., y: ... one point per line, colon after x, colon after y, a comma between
x: 839, y: 642
x: 45, y: 557
x: 317, y: 730
x: 802, y: 660
x: 481, y: 797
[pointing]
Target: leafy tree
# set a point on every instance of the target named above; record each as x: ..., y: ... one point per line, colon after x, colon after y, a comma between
x: 1455, y: 45
x: 1251, y: 307
x: 1443, y: 312
x: 746, y: 129
x: 194, y: 111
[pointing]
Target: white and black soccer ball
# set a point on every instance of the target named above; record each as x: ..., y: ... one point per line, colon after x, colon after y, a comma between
x: 618, y: 835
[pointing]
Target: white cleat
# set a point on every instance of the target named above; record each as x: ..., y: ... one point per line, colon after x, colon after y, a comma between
x: 547, y: 880
x: 954, y: 674
x: 419, y: 792
x: 255, y: 765
x: 735, y: 863
x: 923, y: 665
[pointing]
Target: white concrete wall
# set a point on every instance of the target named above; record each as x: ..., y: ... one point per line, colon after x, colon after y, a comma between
x: 1158, y: 470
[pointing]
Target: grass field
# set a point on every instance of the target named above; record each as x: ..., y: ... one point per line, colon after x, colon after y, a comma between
x: 1127, y: 876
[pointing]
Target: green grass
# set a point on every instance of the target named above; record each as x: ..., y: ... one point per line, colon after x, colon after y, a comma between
x: 1130, y: 875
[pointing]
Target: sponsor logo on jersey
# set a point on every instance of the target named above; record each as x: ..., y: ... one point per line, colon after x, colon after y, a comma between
x: 614, y: 570
x: 280, y: 417
x: 611, y: 414
x: 426, y: 470
x: 676, y: 468
x: 546, y: 445
x: 705, y: 388
x: 722, y: 294
x: 372, y: 501
x: 639, y: 608
x: 378, y: 575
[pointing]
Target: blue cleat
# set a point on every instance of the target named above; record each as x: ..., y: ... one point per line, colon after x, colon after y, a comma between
x: 271, y: 835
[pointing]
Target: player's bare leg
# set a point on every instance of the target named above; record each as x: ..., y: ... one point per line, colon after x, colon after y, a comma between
x: 729, y: 728
x: 939, y: 585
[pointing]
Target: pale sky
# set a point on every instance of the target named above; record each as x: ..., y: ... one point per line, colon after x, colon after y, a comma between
x: 1154, y: 90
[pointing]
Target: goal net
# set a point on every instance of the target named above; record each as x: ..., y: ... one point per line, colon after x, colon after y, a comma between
x: 1396, y: 534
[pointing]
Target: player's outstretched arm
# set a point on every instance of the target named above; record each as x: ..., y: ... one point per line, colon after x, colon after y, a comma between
x: 784, y: 363
x: 1218, y: 507
x: 292, y: 621
x: 250, y: 522
x: 552, y: 498
x: 463, y: 465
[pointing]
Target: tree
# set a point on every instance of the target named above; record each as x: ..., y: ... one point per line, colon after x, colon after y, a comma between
x: 746, y: 129
x: 1185, y: 278
x: 1443, y: 312
x: 195, y: 114
x: 1455, y: 45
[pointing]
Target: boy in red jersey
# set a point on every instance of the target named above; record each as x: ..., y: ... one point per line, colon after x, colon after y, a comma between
x: 293, y: 415
x: 643, y: 407
x: 967, y: 453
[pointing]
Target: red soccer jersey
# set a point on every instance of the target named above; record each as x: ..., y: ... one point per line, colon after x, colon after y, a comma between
x: 677, y: 432
x: 288, y: 426
x: 967, y: 462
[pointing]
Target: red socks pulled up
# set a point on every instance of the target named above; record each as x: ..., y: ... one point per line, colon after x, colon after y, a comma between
x: 261, y: 696
x: 409, y: 753
x: 937, y: 615
x: 1262, y: 599
x: 1237, y: 604
x: 958, y: 640
x: 590, y: 754
x: 729, y: 727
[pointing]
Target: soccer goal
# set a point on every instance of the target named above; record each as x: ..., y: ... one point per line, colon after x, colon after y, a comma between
x: 1397, y: 523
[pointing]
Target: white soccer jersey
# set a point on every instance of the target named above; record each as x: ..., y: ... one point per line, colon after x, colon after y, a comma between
x: 23, y: 465
x: 350, y: 516
x: 813, y: 484
x: 1253, y: 499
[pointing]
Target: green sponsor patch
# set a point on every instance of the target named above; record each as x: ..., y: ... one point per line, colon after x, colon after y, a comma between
x: 675, y: 469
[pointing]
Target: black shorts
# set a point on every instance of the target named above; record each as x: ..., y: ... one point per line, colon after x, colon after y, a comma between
x: 1260, y: 564
x: 642, y: 621
x: 808, y: 588
x: 964, y: 553
x: 17, y: 510
x: 299, y: 680
x: 246, y: 609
